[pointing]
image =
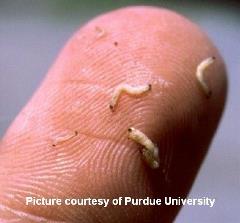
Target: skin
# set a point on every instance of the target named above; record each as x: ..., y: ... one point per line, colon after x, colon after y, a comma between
x: 140, y: 45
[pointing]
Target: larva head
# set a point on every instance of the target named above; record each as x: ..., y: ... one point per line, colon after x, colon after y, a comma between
x: 149, y: 87
x: 130, y: 129
x: 111, y: 108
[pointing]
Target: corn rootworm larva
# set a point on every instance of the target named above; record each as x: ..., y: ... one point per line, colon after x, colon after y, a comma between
x: 149, y: 150
x: 100, y: 32
x: 125, y: 88
x: 200, y: 75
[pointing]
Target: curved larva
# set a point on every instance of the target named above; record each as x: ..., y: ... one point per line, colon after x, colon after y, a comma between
x: 100, y: 32
x: 63, y: 139
x: 125, y: 88
x: 149, y: 150
x: 200, y: 75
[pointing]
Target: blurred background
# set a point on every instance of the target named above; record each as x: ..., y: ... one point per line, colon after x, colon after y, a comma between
x: 33, y: 32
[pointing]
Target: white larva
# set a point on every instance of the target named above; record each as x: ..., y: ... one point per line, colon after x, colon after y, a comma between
x: 131, y: 90
x: 200, y: 75
x: 100, y: 32
x: 149, y: 150
x: 63, y: 139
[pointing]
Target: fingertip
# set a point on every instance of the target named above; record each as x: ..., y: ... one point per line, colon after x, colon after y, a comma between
x: 138, y: 45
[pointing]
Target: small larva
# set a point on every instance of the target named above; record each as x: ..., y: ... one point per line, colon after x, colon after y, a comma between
x: 149, y: 150
x: 62, y: 139
x: 200, y: 74
x: 138, y: 90
x: 100, y: 32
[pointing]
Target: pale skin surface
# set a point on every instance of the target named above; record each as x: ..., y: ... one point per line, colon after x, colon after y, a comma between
x: 142, y: 45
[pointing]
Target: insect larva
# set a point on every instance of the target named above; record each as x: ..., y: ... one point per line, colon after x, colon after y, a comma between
x: 138, y: 90
x: 149, y: 150
x: 62, y: 139
x: 200, y: 74
x: 100, y: 32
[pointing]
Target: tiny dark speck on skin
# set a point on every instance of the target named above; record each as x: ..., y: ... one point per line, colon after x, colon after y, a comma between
x: 115, y: 43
